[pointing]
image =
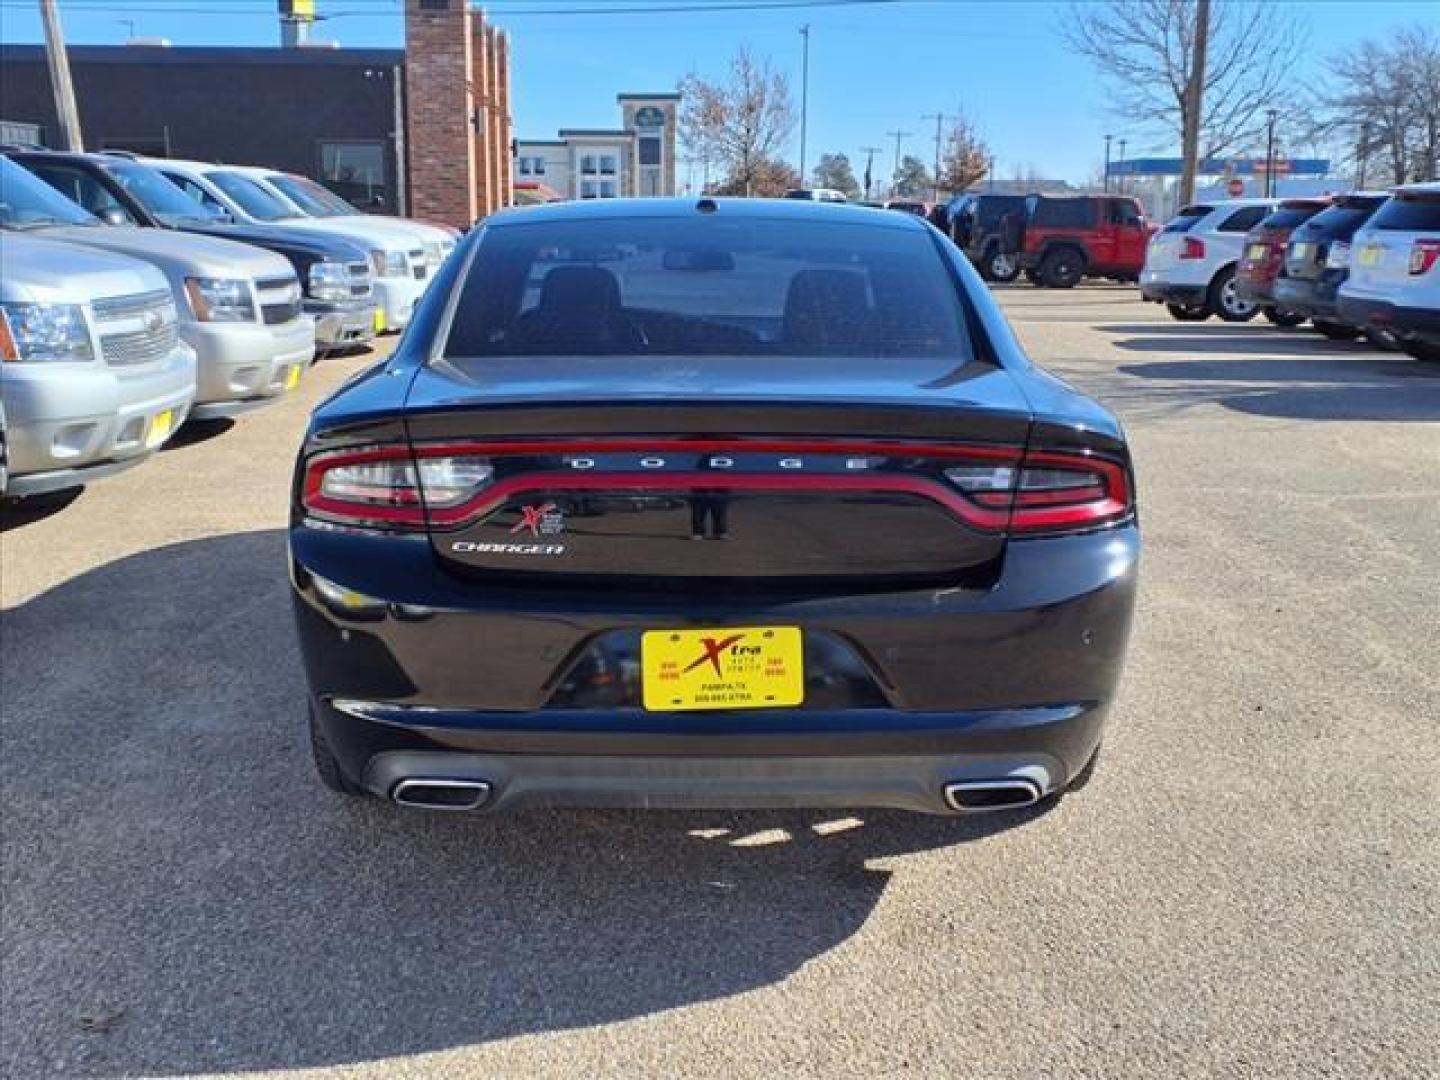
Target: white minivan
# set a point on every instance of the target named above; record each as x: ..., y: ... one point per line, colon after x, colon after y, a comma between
x: 1190, y: 263
x: 1394, y: 281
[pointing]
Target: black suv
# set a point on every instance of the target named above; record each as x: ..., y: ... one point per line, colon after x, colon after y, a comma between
x: 974, y: 223
x: 119, y: 190
x: 1317, y: 261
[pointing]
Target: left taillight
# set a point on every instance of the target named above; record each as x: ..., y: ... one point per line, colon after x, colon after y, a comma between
x: 1051, y: 492
x: 1424, y: 254
x: 391, y: 487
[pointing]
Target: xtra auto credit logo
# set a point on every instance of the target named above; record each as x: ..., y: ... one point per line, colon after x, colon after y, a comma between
x: 714, y: 650
x: 538, y: 521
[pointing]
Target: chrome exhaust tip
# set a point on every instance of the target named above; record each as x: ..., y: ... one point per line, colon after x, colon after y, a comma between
x: 971, y: 796
x: 435, y: 794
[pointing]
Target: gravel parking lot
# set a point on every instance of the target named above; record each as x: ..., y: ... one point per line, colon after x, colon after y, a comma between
x: 1250, y: 886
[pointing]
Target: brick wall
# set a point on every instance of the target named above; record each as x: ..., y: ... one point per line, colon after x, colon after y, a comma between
x: 439, y: 103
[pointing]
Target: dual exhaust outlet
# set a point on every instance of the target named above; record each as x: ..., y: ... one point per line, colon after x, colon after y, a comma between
x: 965, y: 796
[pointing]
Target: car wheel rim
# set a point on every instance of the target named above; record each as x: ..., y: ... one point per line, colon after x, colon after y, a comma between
x: 1002, y: 265
x: 1231, y: 302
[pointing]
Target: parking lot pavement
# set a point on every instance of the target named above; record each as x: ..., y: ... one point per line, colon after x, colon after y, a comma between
x: 1250, y: 886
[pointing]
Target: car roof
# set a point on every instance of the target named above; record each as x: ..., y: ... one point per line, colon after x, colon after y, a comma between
x: 1430, y: 187
x: 679, y: 208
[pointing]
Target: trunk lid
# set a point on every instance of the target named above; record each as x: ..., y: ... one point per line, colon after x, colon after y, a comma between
x: 722, y: 471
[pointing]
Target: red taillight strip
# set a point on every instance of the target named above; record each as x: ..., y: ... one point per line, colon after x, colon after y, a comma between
x: 493, y: 497
x: 1031, y: 511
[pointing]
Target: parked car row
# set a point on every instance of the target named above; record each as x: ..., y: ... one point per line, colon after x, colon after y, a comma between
x: 129, y: 306
x: 1352, y: 264
x: 1054, y: 240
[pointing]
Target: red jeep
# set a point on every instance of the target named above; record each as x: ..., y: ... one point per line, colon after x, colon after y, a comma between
x: 1069, y: 237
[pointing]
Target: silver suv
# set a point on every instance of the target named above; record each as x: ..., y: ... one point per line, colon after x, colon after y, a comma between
x: 94, y: 375
x: 1394, y: 281
x: 238, y: 306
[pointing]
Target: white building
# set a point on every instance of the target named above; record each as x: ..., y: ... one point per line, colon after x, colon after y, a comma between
x: 604, y: 163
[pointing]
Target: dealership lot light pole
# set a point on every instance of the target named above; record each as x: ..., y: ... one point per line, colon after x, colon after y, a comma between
x: 804, y: 96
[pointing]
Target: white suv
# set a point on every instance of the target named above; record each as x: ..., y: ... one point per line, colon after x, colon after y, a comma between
x: 1190, y: 263
x: 1394, y: 281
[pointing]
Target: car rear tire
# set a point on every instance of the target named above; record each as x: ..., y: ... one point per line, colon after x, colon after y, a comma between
x: 1429, y: 351
x: 1001, y: 267
x: 1188, y: 312
x: 1384, y: 340
x: 1226, y: 301
x: 1062, y: 269
x: 1336, y: 331
x: 1283, y: 316
x: 327, y: 766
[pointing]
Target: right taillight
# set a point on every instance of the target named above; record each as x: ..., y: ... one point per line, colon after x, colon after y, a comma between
x: 1423, y: 255
x: 1051, y: 492
x: 1192, y: 248
x: 389, y: 487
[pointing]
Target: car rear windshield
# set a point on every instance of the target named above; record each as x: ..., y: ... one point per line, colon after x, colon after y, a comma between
x: 707, y: 286
x: 1287, y: 217
x: 1336, y: 223
x: 1185, y: 220
x: 1409, y: 214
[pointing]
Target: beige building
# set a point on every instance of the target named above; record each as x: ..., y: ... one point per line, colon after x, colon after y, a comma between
x: 637, y: 158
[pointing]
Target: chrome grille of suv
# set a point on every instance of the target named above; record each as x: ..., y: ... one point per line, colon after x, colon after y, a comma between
x: 136, y: 329
x: 360, y: 282
x: 279, y: 299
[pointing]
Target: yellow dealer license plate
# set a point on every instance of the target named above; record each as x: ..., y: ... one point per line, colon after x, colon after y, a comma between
x: 160, y: 427
x: 292, y: 378
x: 741, y: 667
x: 1256, y: 252
x: 1369, y: 256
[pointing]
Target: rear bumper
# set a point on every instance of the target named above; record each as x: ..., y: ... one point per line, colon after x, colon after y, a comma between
x: 1255, y: 290
x: 1411, y: 321
x: 451, y: 680
x: 901, y: 762
x: 1314, y: 299
x: 1160, y: 292
x: 395, y: 299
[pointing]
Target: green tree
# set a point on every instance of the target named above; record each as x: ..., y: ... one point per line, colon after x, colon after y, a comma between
x: 912, y: 178
x: 834, y: 171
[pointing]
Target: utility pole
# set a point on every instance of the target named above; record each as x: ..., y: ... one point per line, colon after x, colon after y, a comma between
x: 939, y: 119
x: 1362, y: 154
x: 60, y: 84
x: 1270, y: 115
x: 1120, y: 180
x: 129, y: 24
x: 804, y: 97
x: 897, y: 136
x: 869, y: 152
x: 1194, y: 102
x: 1107, y: 161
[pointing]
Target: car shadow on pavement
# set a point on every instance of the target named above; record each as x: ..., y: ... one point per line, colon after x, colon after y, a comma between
x: 183, y: 897
x: 17, y: 513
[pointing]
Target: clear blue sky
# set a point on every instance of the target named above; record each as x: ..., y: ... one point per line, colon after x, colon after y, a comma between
x: 874, y: 67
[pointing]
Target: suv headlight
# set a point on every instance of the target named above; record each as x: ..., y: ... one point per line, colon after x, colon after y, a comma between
x: 220, y: 299
x: 33, y: 333
x: 389, y: 263
x: 329, y: 281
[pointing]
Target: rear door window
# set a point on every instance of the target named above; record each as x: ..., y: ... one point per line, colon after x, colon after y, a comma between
x: 1409, y: 214
x: 1287, y: 217
x: 1336, y: 223
x: 1185, y: 220
x: 1245, y: 219
x: 708, y: 287
x: 1063, y: 213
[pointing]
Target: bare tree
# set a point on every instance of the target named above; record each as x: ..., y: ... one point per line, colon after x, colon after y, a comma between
x: 966, y: 159
x: 1384, y: 106
x: 767, y: 178
x: 739, y: 125
x: 1145, y: 50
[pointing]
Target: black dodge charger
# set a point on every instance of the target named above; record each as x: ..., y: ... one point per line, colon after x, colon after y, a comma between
x: 710, y: 503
